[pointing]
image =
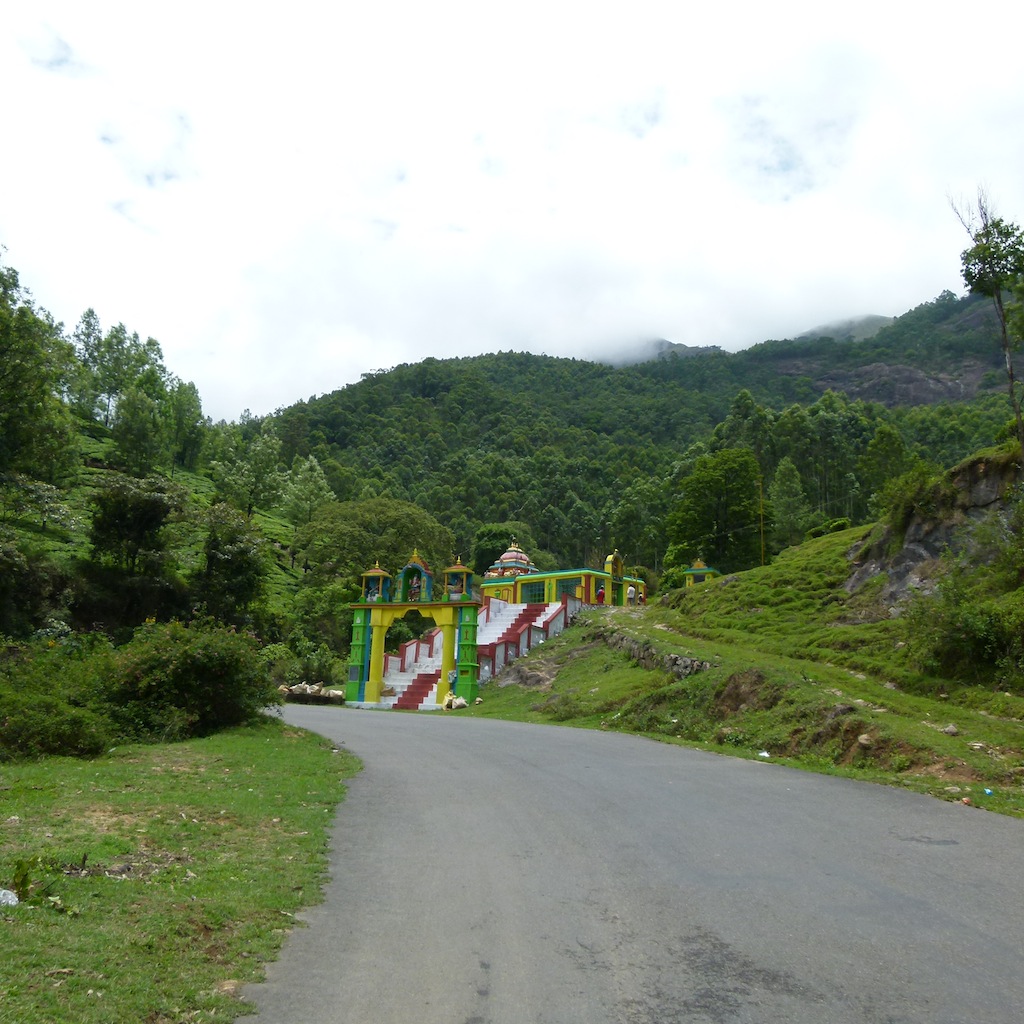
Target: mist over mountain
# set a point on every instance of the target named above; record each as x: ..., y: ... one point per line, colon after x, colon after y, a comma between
x: 857, y: 328
x: 646, y: 350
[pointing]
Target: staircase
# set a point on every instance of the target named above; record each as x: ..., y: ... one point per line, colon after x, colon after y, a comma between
x: 417, y: 692
x: 527, y: 615
x: 505, y: 631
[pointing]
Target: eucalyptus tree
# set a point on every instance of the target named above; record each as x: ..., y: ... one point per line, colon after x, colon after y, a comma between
x: 994, y: 266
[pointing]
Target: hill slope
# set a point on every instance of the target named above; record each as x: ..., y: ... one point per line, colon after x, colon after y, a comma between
x: 806, y: 661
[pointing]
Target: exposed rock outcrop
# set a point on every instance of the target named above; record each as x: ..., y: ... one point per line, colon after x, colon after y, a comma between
x: 642, y: 653
x: 973, y: 490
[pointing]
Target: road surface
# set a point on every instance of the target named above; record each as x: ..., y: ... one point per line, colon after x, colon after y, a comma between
x: 488, y: 872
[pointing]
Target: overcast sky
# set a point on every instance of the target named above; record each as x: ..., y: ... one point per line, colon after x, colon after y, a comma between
x: 289, y: 196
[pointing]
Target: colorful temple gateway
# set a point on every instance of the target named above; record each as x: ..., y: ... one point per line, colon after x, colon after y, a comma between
x: 474, y: 636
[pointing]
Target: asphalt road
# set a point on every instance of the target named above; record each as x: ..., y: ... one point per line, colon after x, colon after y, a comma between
x: 488, y: 872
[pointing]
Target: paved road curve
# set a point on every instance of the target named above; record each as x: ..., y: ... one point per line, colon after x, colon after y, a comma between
x: 487, y: 872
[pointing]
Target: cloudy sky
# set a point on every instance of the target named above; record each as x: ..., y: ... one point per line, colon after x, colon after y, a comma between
x: 289, y: 196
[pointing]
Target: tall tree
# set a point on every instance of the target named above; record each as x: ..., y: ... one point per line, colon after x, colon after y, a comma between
x: 116, y: 361
x: 234, y: 570
x: 994, y: 266
x: 638, y: 522
x: 306, y: 490
x: 141, y: 433
x: 186, y: 424
x: 251, y: 476
x: 35, y: 361
x: 790, y: 511
x: 87, y: 338
x: 128, y: 525
x: 346, y: 538
x: 719, y: 515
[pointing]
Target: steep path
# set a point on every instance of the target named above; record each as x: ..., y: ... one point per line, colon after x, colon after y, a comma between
x: 487, y: 872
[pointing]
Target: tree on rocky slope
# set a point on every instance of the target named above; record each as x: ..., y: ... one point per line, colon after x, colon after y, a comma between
x: 994, y: 266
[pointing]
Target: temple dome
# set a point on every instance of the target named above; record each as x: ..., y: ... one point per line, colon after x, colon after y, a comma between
x: 514, y: 562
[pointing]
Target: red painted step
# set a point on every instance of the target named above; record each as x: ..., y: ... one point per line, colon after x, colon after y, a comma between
x: 418, y: 690
x: 528, y: 614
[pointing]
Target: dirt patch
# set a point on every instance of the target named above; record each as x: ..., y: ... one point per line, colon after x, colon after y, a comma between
x: 102, y: 820
x: 959, y: 771
x: 535, y: 676
x: 537, y: 672
x: 139, y: 865
x: 746, y: 691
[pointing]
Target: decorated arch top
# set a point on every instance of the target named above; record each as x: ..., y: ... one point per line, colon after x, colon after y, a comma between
x: 415, y: 580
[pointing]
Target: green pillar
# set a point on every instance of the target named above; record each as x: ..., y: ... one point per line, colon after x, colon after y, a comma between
x: 355, y: 687
x: 467, y: 680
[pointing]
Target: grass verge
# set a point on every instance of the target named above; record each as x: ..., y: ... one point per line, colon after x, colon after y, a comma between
x: 159, y: 879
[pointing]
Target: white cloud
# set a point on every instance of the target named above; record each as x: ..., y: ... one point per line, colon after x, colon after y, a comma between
x: 287, y: 200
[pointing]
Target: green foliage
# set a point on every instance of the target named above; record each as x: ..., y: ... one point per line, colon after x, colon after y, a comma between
x: 790, y: 511
x: 995, y: 262
x: 718, y: 516
x: 281, y: 663
x: 346, y: 538
x: 36, y: 436
x: 250, y: 475
x: 140, y: 433
x: 110, y: 364
x: 175, y: 680
x: 306, y: 491
x: 31, y: 587
x: 233, y: 575
x: 832, y: 526
x: 34, y: 724
x: 128, y: 525
x: 316, y: 663
x: 186, y: 425
x: 49, y: 696
x: 993, y: 265
x: 492, y: 540
x: 320, y: 610
x: 920, y: 491
x: 74, y: 694
x: 971, y: 628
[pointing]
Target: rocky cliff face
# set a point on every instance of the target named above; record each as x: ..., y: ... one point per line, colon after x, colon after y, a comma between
x: 976, y: 488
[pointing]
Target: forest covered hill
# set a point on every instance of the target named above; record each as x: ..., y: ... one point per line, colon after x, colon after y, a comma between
x: 124, y: 511
x: 588, y: 455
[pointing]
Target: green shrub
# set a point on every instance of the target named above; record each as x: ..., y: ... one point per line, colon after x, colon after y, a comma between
x: 317, y: 663
x: 35, y: 724
x: 30, y: 586
x: 176, y: 680
x: 281, y: 664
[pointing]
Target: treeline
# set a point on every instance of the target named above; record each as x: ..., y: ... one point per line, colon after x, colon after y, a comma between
x: 120, y: 501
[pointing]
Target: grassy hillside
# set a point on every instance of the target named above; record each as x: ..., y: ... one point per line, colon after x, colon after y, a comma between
x: 799, y: 672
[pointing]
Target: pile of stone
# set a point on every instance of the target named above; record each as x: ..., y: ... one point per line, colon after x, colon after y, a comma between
x: 311, y: 693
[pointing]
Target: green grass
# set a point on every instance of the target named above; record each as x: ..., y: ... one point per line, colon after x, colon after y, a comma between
x: 160, y: 878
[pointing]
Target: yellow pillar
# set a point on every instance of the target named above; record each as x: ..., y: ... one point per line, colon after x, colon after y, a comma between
x: 448, y: 659
x: 375, y: 682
